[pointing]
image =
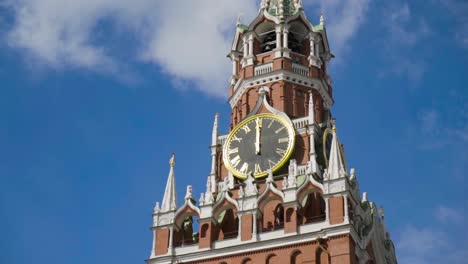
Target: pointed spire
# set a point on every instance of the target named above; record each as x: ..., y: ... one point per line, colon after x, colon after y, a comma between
x: 189, y: 192
x: 353, y: 174
x: 270, y: 176
x: 156, y: 207
x: 264, y: 4
x: 250, y: 186
x: 298, y: 4
x: 214, y: 135
x: 336, y: 167
x: 364, y: 197
x: 322, y: 19
x: 281, y: 8
x: 170, y: 196
x: 214, y: 144
x: 208, y: 196
x: 239, y: 18
x: 311, y: 109
x: 292, y: 181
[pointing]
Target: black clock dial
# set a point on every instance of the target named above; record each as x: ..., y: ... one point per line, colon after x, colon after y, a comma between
x: 258, y: 144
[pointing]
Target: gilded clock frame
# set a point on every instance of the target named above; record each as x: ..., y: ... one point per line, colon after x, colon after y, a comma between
x: 280, y: 164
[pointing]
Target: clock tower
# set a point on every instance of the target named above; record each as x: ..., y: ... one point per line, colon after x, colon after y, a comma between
x: 279, y: 190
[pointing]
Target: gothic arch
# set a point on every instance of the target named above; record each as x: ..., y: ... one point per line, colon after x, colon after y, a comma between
x: 322, y: 256
x: 289, y: 214
x: 313, y: 208
x: 272, y: 259
x: 296, y: 257
x: 266, y: 33
x: 298, y: 33
x: 247, y: 261
x: 227, y: 223
x: 307, y: 188
x: 203, y: 230
x: 270, y: 204
x: 187, y: 232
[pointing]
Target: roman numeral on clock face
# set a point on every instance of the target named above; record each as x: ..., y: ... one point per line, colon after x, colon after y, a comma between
x: 233, y: 151
x: 235, y: 161
x: 257, y: 169
x: 244, y: 168
x: 271, y: 164
x: 280, y: 152
x: 246, y: 129
x: 235, y: 138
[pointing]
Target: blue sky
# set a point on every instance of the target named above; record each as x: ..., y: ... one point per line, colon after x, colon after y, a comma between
x: 96, y: 94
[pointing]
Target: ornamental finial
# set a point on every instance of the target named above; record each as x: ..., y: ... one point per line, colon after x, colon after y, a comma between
x: 333, y: 123
x: 172, y: 160
x: 188, y: 194
x: 322, y: 19
x: 239, y: 19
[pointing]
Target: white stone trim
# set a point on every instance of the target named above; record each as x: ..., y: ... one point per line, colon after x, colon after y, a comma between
x: 281, y: 75
x: 263, y: 69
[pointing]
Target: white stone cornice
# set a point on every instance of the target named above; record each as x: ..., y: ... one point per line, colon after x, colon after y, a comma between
x: 281, y: 75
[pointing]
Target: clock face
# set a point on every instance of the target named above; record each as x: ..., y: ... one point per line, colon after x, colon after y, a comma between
x: 258, y: 144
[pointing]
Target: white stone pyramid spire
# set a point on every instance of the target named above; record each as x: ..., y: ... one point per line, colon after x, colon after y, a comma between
x: 336, y: 166
x: 170, y: 196
x: 311, y: 115
x: 214, y: 134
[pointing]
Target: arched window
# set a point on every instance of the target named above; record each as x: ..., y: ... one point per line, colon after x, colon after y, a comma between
x: 203, y: 230
x: 289, y: 214
x: 228, y: 225
x: 273, y: 215
x: 322, y: 257
x: 267, y: 33
x: 187, y: 234
x: 296, y: 257
x: 279, y: 216
x: 297, y: 35
x: 272, y: 259
x: 313, y: 208
x: 247, y: 261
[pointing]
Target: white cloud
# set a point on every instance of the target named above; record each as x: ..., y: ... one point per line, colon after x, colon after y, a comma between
x: 404, y: 28
x: 429, y: 245
x: 187, y: 39
x: 191, y: 43
x: 60, y: 33
x: 420, y: 242
x: 343, y: 20
x: 458, y: 9
x: 405, y: 33
x: 449, y: 215
x: 437, y: 133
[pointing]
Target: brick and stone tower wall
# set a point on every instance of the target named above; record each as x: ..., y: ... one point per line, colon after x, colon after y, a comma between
x: 308, y: 211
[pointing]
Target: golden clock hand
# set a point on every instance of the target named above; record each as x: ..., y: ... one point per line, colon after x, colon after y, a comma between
x: 257, y: 136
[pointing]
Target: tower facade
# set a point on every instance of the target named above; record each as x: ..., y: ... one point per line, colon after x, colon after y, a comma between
x: 279, y: 189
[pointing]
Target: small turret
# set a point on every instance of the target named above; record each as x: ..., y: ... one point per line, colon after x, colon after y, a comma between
x: 170, y: 195
x: 336, y: 166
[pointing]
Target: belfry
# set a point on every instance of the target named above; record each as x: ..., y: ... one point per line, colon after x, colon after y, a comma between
x: 279, y: 190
